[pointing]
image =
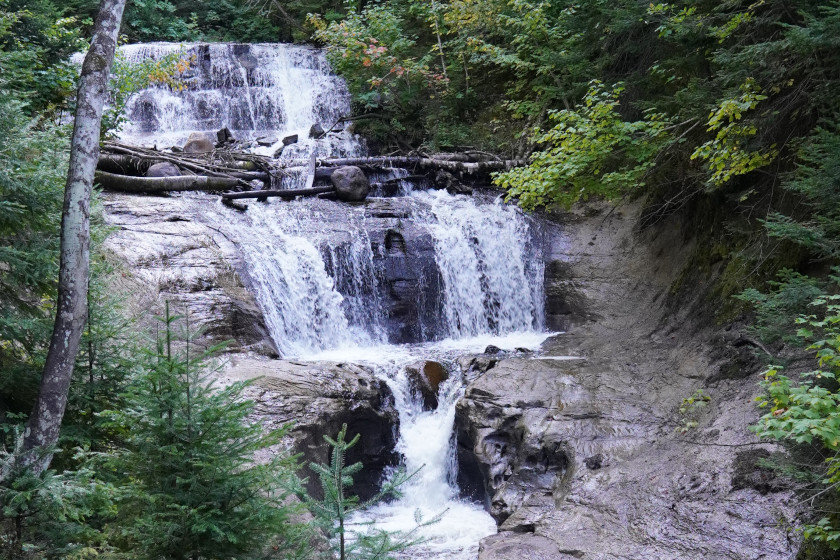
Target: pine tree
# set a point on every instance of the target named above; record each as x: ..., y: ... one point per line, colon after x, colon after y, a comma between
x: 192, y: 487
x: 354, y: 541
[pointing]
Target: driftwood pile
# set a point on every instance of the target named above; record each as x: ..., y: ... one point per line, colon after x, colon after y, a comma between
x: 241, y: 175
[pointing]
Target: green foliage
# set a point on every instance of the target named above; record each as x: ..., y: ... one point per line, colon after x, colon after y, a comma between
x: 33, y: 161
x: 36, y: 42
x: 385, y: 72
x: 191, y: 487
x: 817, y: 181
x: 728, y: 155
x: 156, y: 20
x: 807, y: 410
x: 590, y: 152
x: 777, y: 309
x: 332, y: 514
x: 191, y: 20
x: 46, y: 514
x: 690, y: 410
x: 107, y: 360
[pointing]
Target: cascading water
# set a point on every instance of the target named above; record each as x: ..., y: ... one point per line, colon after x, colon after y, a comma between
x: 491, y: 284
x: 334, y: 281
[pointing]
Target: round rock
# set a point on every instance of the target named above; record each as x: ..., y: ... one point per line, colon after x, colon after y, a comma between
x: 163, y: 169
x: 426, y: 377
x: 200, y: 143
x: 351, y: 184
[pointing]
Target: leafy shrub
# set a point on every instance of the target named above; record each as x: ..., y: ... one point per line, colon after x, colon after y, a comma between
x: 806, y: 410
x: 590, y: 152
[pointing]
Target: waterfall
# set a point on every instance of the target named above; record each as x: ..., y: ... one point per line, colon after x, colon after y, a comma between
x: 314, y: 293
x: 257, y: 91
x: 484, y: 252
x: 337, y: 281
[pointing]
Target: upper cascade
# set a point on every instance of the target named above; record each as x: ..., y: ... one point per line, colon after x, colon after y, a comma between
x: 257, y: 91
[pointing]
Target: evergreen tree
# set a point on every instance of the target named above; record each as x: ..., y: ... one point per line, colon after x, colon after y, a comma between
x: 192, y: 489
x: 357, y: 541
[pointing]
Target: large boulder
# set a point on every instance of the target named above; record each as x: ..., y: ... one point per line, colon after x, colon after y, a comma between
x: 318, y: 398
x: 425, y: 378
x: 224, y: 135
x: 317, y: 131
x: 200, y: 143
x: 163, y: 169
x: 351, y: 183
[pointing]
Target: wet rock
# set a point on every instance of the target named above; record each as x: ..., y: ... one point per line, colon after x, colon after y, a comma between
x: 199, y: 143
x: 278, y: 152
x: 224, y: 135
x: 493, y: 350
x: 351, y: 184
x: 753, y: 469
x: 171, y: 255
x: 446, y: 180
x: 267, y: 141
x: 411, y: 279
x: 473, y: 365
x: 163, y: 169
x: 426, y: 378
x: 317, y: 131
x: 289, y: 140
x: 504, y: 426
x: 511, y: 546
x: 584, y: 452
x: 595, y: 462
x: 318, y: 398
x: 247, y: 61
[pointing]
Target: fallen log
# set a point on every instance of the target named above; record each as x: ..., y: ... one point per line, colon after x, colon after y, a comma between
x: 126, y: 183
x: 123, y: 164
x: 290, y: 193
x: 235, y: 205
x: 179, y: 161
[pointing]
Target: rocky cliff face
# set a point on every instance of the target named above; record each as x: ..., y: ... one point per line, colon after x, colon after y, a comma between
x: 577, y: 448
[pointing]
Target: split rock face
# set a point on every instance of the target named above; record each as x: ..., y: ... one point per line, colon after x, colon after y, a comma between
x: 575, y: 452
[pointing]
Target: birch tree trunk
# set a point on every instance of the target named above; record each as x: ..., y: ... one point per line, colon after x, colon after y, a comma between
x: 43, y: 425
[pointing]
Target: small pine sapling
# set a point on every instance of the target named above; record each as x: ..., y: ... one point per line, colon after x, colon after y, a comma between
x: 352, y: 540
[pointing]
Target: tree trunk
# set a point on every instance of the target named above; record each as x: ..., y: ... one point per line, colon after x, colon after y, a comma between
x: 43, y: 425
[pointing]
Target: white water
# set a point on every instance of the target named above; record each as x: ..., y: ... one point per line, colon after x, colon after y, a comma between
x: 484, y: 254
x: 268, y: 91
x: 427, y: 447
x: 314, y: 274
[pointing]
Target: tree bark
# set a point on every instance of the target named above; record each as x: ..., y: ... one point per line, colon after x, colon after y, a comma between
x: 42, y: 428
x: 126, y: 183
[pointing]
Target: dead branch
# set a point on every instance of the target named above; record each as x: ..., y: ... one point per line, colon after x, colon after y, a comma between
x: 289, y: 193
